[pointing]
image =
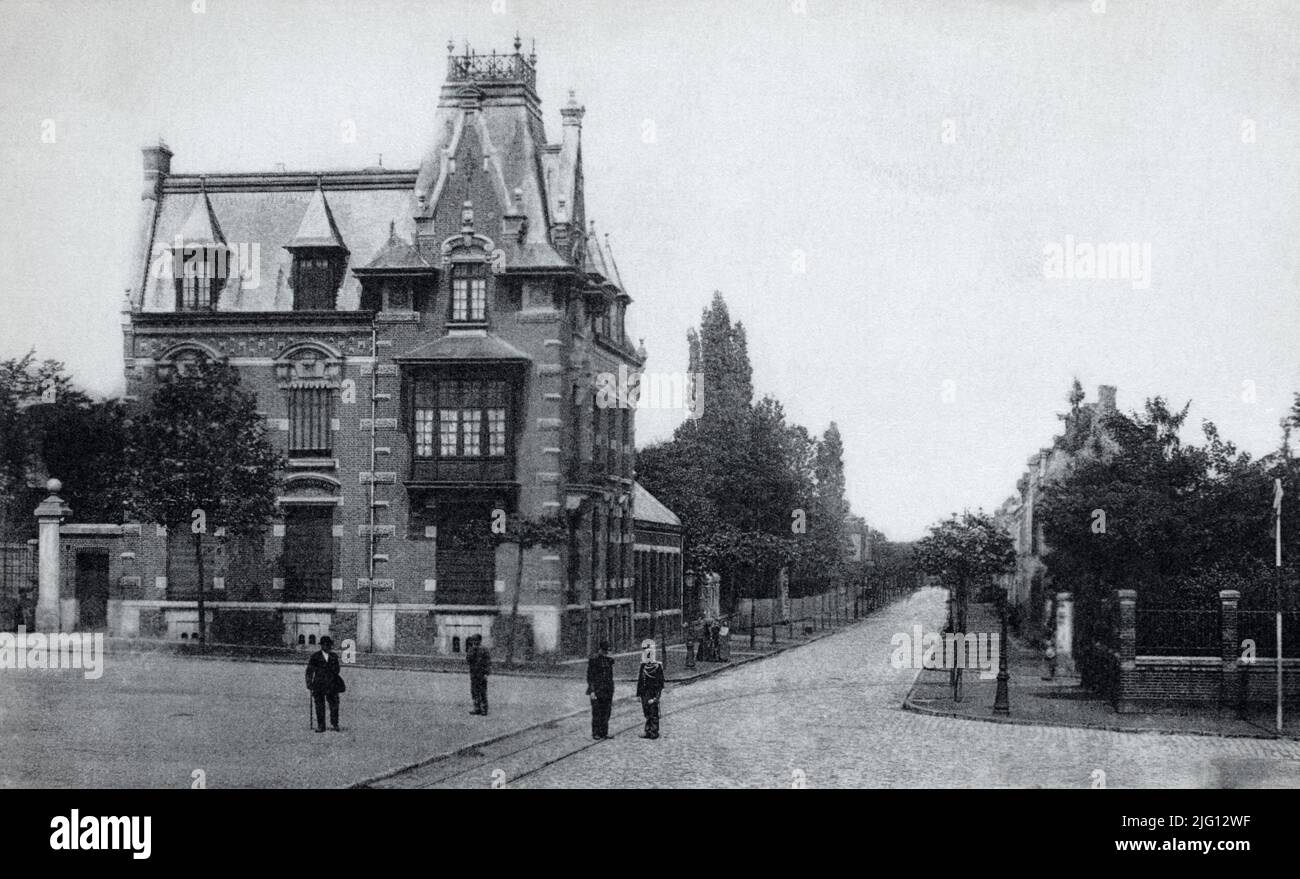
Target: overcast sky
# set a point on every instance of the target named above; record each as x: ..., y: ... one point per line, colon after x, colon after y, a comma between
x: 871, y: 186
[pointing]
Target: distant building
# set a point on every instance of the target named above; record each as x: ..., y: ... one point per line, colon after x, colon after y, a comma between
x: 1030, y: 595
x: 426, y: 346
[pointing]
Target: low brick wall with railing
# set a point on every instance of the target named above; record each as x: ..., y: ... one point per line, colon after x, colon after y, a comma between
x: 1162, y: 658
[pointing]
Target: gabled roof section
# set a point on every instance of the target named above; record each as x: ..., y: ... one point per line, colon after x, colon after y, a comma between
x: 647, y: 508
x: 398, y: 255
x: 201, y: 226
x: 317, y: 228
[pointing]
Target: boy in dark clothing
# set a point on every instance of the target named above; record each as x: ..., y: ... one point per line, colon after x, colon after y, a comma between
x: 649, y: 687
x: 480, y: 666
x: 600, y: 687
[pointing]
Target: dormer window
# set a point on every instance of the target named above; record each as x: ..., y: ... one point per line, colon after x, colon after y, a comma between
x: 317, y: 275
x: 469, y: 292
x: 200, y: 278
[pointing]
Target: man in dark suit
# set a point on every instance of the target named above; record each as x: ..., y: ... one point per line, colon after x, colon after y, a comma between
x: 325, y: 683
x: 480, y: 666
x: 600, y: 687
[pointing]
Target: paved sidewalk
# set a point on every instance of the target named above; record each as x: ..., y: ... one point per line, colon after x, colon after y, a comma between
x: 1063, y: 701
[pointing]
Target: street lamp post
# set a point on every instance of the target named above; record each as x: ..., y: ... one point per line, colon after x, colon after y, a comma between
x: 1002, y: 701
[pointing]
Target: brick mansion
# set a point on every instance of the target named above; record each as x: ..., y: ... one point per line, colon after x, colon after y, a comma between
x: 424, y: 345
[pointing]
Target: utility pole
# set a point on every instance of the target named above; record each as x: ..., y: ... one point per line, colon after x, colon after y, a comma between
x: 1277, y: 590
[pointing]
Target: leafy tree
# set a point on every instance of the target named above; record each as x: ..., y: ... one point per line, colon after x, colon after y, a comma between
x: 50, y: 428
x: 966, y: 551
x: 203, y: 460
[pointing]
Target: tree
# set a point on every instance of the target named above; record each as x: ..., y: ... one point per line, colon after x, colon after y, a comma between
x: 966, y: 551
x: 203, y: 461
x: 525, y: 533
x: 50, y: 428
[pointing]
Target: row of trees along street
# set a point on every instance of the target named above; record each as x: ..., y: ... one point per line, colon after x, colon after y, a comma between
x: 755, y: 493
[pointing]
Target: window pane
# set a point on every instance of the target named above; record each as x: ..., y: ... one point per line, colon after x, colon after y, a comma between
x: 448, y: 421
x: 424, y: 433
x: 460, y: 299
x: 471, y: 424
x: 310, y: 410
x: 496, y: 419
x: 478, y: 299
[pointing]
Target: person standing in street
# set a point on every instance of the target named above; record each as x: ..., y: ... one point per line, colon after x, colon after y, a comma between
x: 649, y: 688
x: 600, y: 687
x: 480, y: 666
x: 325, y: 683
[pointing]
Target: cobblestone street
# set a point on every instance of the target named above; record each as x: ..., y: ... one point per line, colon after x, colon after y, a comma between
x: 827, y: 715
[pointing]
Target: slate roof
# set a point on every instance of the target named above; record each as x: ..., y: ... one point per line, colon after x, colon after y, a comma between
x: 398, y: 255
x: 317, y: 228
x: 647, y: 508
x: 260, y: 215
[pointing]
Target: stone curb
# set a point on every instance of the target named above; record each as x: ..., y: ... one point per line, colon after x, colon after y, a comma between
x: 910, y: 705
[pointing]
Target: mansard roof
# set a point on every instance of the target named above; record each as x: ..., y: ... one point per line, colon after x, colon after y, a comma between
x: 258, y: 215
x: 488, y: 115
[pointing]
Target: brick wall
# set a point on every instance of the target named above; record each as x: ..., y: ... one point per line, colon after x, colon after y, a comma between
x: 1225, y: 682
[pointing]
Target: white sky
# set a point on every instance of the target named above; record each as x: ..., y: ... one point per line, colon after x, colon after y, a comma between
x: 775, y: 131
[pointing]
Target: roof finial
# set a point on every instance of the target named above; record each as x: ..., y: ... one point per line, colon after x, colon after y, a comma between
x: 451, y: 46
x: 518, y: 43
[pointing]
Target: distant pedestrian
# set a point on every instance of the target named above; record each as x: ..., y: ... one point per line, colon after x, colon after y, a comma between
x: 1049, y: 658
x: 600, y: 687
x: 649, y: 688
x: 325, y: 683
x: 480, y: 666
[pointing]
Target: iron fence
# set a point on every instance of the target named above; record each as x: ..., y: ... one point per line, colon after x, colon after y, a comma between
x: 1178, y: 632
x: 1260, y: 626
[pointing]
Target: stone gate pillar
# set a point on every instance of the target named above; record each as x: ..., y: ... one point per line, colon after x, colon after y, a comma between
x: 49, y: 515
x: 1065, y: 633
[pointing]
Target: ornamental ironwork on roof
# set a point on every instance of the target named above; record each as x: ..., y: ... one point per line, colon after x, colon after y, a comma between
x: 471, y: 66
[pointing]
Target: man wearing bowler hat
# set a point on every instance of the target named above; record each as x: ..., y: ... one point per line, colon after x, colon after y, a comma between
x: 325, y: 683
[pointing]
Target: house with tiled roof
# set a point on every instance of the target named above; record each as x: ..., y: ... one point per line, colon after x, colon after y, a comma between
x: 424, y: 344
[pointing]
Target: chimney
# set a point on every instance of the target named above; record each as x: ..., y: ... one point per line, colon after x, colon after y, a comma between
x: 157, y: 165
x: 1105, y: 399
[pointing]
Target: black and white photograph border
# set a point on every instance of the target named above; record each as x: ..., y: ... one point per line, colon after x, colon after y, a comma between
x: 508, y: 394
